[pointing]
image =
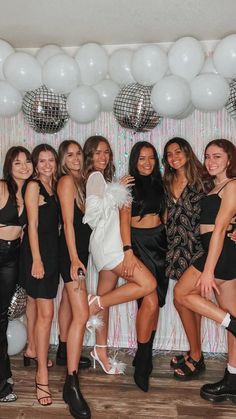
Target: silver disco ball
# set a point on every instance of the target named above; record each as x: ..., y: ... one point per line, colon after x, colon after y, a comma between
x: 132, y: 108
x: 231, y: 103
x: 18, y: 303
x: 45, y: 111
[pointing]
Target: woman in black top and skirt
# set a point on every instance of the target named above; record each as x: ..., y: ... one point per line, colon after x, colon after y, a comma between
x: 40, y: 255
x: 215, y: 270
x: 144, y: 238
x: 74, y: 243
x: 16, y: 170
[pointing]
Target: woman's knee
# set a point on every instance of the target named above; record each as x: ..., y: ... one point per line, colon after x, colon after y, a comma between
x: 178, y: 296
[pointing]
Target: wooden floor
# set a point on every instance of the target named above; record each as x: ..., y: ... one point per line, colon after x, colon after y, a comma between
x: 117, y: 397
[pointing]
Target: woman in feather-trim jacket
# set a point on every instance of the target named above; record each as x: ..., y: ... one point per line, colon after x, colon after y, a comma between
x: 103, y: 200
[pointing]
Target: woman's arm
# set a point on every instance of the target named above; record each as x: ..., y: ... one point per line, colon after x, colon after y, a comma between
x: 32, y: 208
x: 130, y: 260
x: 66, y: 194
x: 226, y: 213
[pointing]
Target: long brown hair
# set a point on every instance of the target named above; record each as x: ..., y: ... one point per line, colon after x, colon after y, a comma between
x: 194, y: 170
x: 230, y: 149
x: 11, y: 155
x: 63, y: 170
x: 35, y: 158
x: 90, y: 146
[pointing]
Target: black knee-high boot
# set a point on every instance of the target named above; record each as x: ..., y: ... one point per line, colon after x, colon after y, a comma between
x: 143, y: 363
x: 72, y: 395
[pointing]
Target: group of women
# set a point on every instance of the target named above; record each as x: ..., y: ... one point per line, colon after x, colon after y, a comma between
x: 144, y: 228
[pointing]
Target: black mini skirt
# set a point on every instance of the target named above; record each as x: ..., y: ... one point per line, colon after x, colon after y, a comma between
x: 149, y: 245
x: 226, y: 264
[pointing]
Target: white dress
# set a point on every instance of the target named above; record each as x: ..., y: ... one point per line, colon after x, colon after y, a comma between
x: 103, y: 201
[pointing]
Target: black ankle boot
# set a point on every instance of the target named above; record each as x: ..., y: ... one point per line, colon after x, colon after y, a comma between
x: 72, y: 395
x: 61, y: 357
x: 232, y: 325
x: 151, y: 344
x: 143, y: 365
x: 224, y: 389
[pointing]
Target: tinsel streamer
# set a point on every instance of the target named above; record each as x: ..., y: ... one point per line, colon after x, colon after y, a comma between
x: 199, y: 128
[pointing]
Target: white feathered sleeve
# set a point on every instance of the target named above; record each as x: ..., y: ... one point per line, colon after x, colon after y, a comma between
x: 101, y: 198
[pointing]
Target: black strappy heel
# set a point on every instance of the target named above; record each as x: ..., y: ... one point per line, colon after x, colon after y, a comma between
x: 48, y: 394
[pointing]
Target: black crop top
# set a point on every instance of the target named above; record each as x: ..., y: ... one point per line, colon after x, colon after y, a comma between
x: 148, y: 197
x: 210, y: 206
x: 9, y: 215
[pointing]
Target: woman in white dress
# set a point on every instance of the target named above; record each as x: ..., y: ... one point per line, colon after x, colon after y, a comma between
x: 103, y: 200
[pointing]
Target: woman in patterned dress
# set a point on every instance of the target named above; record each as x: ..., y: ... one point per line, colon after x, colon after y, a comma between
x: 185, y: 189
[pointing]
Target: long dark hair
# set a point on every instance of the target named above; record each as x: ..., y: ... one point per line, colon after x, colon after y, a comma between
x: 90, y: 146
x: 230, y: 149
x: 63, y: 170
x: 194, y: 170
x: 35, y: 158
x: 11, y: 155
x: 156, y: 178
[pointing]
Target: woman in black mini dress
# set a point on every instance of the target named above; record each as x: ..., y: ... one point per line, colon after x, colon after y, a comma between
x: 74, y: 243
x: 40, y: 255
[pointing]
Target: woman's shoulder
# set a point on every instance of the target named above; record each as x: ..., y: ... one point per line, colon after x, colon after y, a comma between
x: 65, y: 181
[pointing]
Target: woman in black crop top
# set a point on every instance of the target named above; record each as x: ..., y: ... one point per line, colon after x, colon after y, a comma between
x: 144, y: 238
x: 74, y: 243
x: 40, y: 255
x: 16, y: 170
x: 216, y: 269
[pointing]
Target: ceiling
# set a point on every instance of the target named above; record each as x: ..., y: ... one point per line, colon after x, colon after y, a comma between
x: 33, y: 23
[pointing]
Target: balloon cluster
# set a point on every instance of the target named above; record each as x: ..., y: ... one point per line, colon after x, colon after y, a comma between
x: 180, y: 79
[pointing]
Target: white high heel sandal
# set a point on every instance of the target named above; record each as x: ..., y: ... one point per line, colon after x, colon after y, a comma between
x: 117, y: 367
x: 95, y: 322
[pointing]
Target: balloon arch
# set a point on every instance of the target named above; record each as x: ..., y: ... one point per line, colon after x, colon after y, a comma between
x: 181, y: 79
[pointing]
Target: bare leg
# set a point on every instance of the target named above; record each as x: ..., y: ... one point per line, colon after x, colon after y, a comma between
x: 79, y: 309
x: 64, y: 315
x: 187, y: 295
x: 43, y: 328
x: 31, y: 315
x: 226, y: 300
x: 147, y: 317
x: 107, y: 282
x: 141, y: 284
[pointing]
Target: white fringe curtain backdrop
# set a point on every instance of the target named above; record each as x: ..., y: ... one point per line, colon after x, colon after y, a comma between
x: 198, y: 129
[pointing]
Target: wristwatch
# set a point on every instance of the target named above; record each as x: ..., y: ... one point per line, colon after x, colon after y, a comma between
x: 127, y: 247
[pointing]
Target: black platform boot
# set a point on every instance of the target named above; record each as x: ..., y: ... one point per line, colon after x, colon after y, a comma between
x: 143, y: 365
x: 61, y: 357
x: 232, y: 325
x: 72, y: 395
x: 224, y: 389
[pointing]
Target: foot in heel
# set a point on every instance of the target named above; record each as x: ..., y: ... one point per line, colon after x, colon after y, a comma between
x: 114, y: 367
x: 73, y: 397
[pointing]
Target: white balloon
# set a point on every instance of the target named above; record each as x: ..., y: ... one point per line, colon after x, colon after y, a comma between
x: 208, y: 66
x: 16, y: 336
x: 5, y: 50
x: 22, y: 71
x: 224, y: 56
x: 93, y: 63
x: 61, y: 73
x: 186, y: 57
x: 10, y: 100
x: 210, y: 92
x: 107, y: 91
x: 83, y: 104
x: 48, y: 51
x: 171, y: 96
x: 149, y: 64
x: 188, y: 111
x: 120, y: 66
